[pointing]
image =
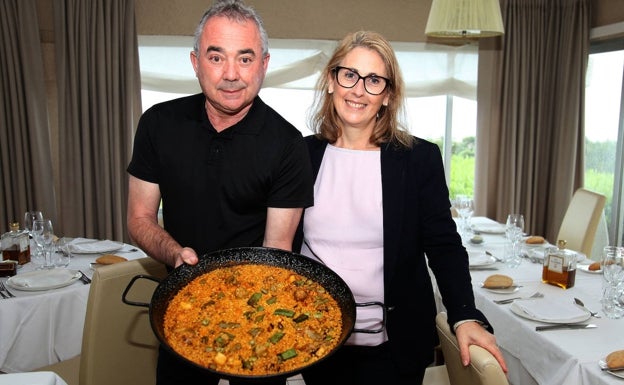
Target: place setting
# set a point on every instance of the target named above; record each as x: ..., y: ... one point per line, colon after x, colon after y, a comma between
x: 613, y: 363
x: 488, y: 228
x: 94, y: 246
x: 40, y: 280
x: 500, y: 284
x: 481, y: 260
x: 557, y: 314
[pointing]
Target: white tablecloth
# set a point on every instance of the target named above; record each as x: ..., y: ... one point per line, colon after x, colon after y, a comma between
x: 38, y: 328
x: 557, y: 357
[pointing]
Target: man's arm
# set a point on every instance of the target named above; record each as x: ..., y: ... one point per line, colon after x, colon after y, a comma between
x: 281, y: 226
x: 143, y: 227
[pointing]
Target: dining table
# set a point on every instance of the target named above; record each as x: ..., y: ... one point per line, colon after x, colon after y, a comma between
x: 557, y: 356
x: 42, y: 322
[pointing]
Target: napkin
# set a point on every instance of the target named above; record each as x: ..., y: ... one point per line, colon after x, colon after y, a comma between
x: 550, y: 310
x: 83, y: 245
x: 477, y: 258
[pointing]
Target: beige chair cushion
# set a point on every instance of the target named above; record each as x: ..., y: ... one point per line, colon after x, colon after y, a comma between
x: 118, y: 344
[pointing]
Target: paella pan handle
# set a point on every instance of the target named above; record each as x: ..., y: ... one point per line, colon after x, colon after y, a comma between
x: 383, y: 321
x: 130, y: 284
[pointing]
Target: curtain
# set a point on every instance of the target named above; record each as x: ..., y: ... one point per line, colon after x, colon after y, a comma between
x: 530, y: 134
x: 98, y: 106
x: 26, y: 178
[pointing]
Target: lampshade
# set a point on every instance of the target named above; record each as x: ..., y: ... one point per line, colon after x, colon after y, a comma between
x: 464, y: 19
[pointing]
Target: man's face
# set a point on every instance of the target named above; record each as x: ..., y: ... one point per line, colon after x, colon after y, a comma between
x: 229, y: 65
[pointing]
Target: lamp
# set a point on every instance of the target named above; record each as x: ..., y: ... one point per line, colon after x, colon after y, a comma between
x: 464, y: 19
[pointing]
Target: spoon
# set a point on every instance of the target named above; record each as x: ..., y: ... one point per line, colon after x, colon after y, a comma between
x: 581, y: 304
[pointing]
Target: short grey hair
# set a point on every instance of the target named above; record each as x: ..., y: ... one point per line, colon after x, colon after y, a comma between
x: 234, y: 10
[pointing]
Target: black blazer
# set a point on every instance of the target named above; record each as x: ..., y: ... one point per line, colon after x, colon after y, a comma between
x: 417, y: 221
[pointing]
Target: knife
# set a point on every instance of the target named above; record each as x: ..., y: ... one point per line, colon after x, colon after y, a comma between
x: 565, y: 326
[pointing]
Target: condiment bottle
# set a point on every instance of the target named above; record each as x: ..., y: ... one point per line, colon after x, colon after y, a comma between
x: 16, y: 245
x: 559, y: 266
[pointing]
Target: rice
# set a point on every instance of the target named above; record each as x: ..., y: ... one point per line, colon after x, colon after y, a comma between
x: 252, y: 319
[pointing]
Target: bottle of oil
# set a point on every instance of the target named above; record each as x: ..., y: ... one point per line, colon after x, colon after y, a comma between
x: 559, y: 266
x: 16, y: 245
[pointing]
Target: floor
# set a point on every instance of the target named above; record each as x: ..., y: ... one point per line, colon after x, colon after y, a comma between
x: 295, y: 380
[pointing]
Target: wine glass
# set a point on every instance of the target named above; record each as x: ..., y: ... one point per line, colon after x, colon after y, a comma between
x: 43, y: 234
x: 29, y: 218
x: 514, y: 230
x: 464, y: 205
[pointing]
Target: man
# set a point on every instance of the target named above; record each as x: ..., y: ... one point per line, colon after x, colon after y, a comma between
x: 230, y: 171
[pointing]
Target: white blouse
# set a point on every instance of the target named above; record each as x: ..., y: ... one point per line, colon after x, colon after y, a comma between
x: 344, y: 230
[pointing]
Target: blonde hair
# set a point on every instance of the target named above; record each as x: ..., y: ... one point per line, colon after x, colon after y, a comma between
x: 390, y: 126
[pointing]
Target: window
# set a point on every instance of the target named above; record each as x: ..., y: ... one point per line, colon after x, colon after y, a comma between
x: 440, y: 86
x: 604, y: 167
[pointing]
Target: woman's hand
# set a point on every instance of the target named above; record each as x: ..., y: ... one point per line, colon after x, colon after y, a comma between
x: 472, y: 333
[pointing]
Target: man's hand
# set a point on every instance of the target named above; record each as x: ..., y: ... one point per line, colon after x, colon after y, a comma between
x: 471, y: 333
x: 186, y: 255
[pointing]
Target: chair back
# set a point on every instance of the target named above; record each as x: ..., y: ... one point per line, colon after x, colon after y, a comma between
x: 118, y: 344
x: 483, y: 368
x: 581, y: 221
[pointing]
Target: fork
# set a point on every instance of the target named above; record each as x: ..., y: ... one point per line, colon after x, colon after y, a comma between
x: 4, y: 289
x: 537, y: 294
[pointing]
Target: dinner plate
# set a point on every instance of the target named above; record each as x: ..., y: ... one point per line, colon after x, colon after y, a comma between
x: 43, y: 279
x: 489, y: 228
x: 517, y: 310
x: 536, y: 245
x: 507, y: 290
x: 616, y: 373
x: 94, y: 246
x: 585, y: 269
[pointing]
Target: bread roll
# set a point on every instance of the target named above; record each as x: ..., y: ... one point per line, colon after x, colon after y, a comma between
x: 615, y: 359
x: 498, y: 281
x: 595, y: 266
x: 109, y: 259
x: 535, y: 240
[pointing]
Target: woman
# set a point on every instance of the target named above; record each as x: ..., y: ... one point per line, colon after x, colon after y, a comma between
x: 381, y: 204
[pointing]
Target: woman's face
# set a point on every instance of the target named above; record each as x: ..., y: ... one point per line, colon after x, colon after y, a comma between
x: 356, y: 108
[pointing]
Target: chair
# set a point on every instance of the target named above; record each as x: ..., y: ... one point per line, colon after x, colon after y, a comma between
x: 118, y: 344
x: 601, y: 239
x: 581, y: 221
x: 483, y: 368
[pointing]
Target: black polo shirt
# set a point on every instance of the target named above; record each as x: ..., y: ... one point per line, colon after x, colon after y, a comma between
x: 216, y: 187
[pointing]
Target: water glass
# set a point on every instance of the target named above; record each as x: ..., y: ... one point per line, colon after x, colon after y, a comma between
x: 613, y: 281
x: 514, y: 230
x: 62, y: 256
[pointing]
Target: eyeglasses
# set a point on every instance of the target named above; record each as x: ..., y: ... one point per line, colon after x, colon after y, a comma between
x: 348, y: 78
